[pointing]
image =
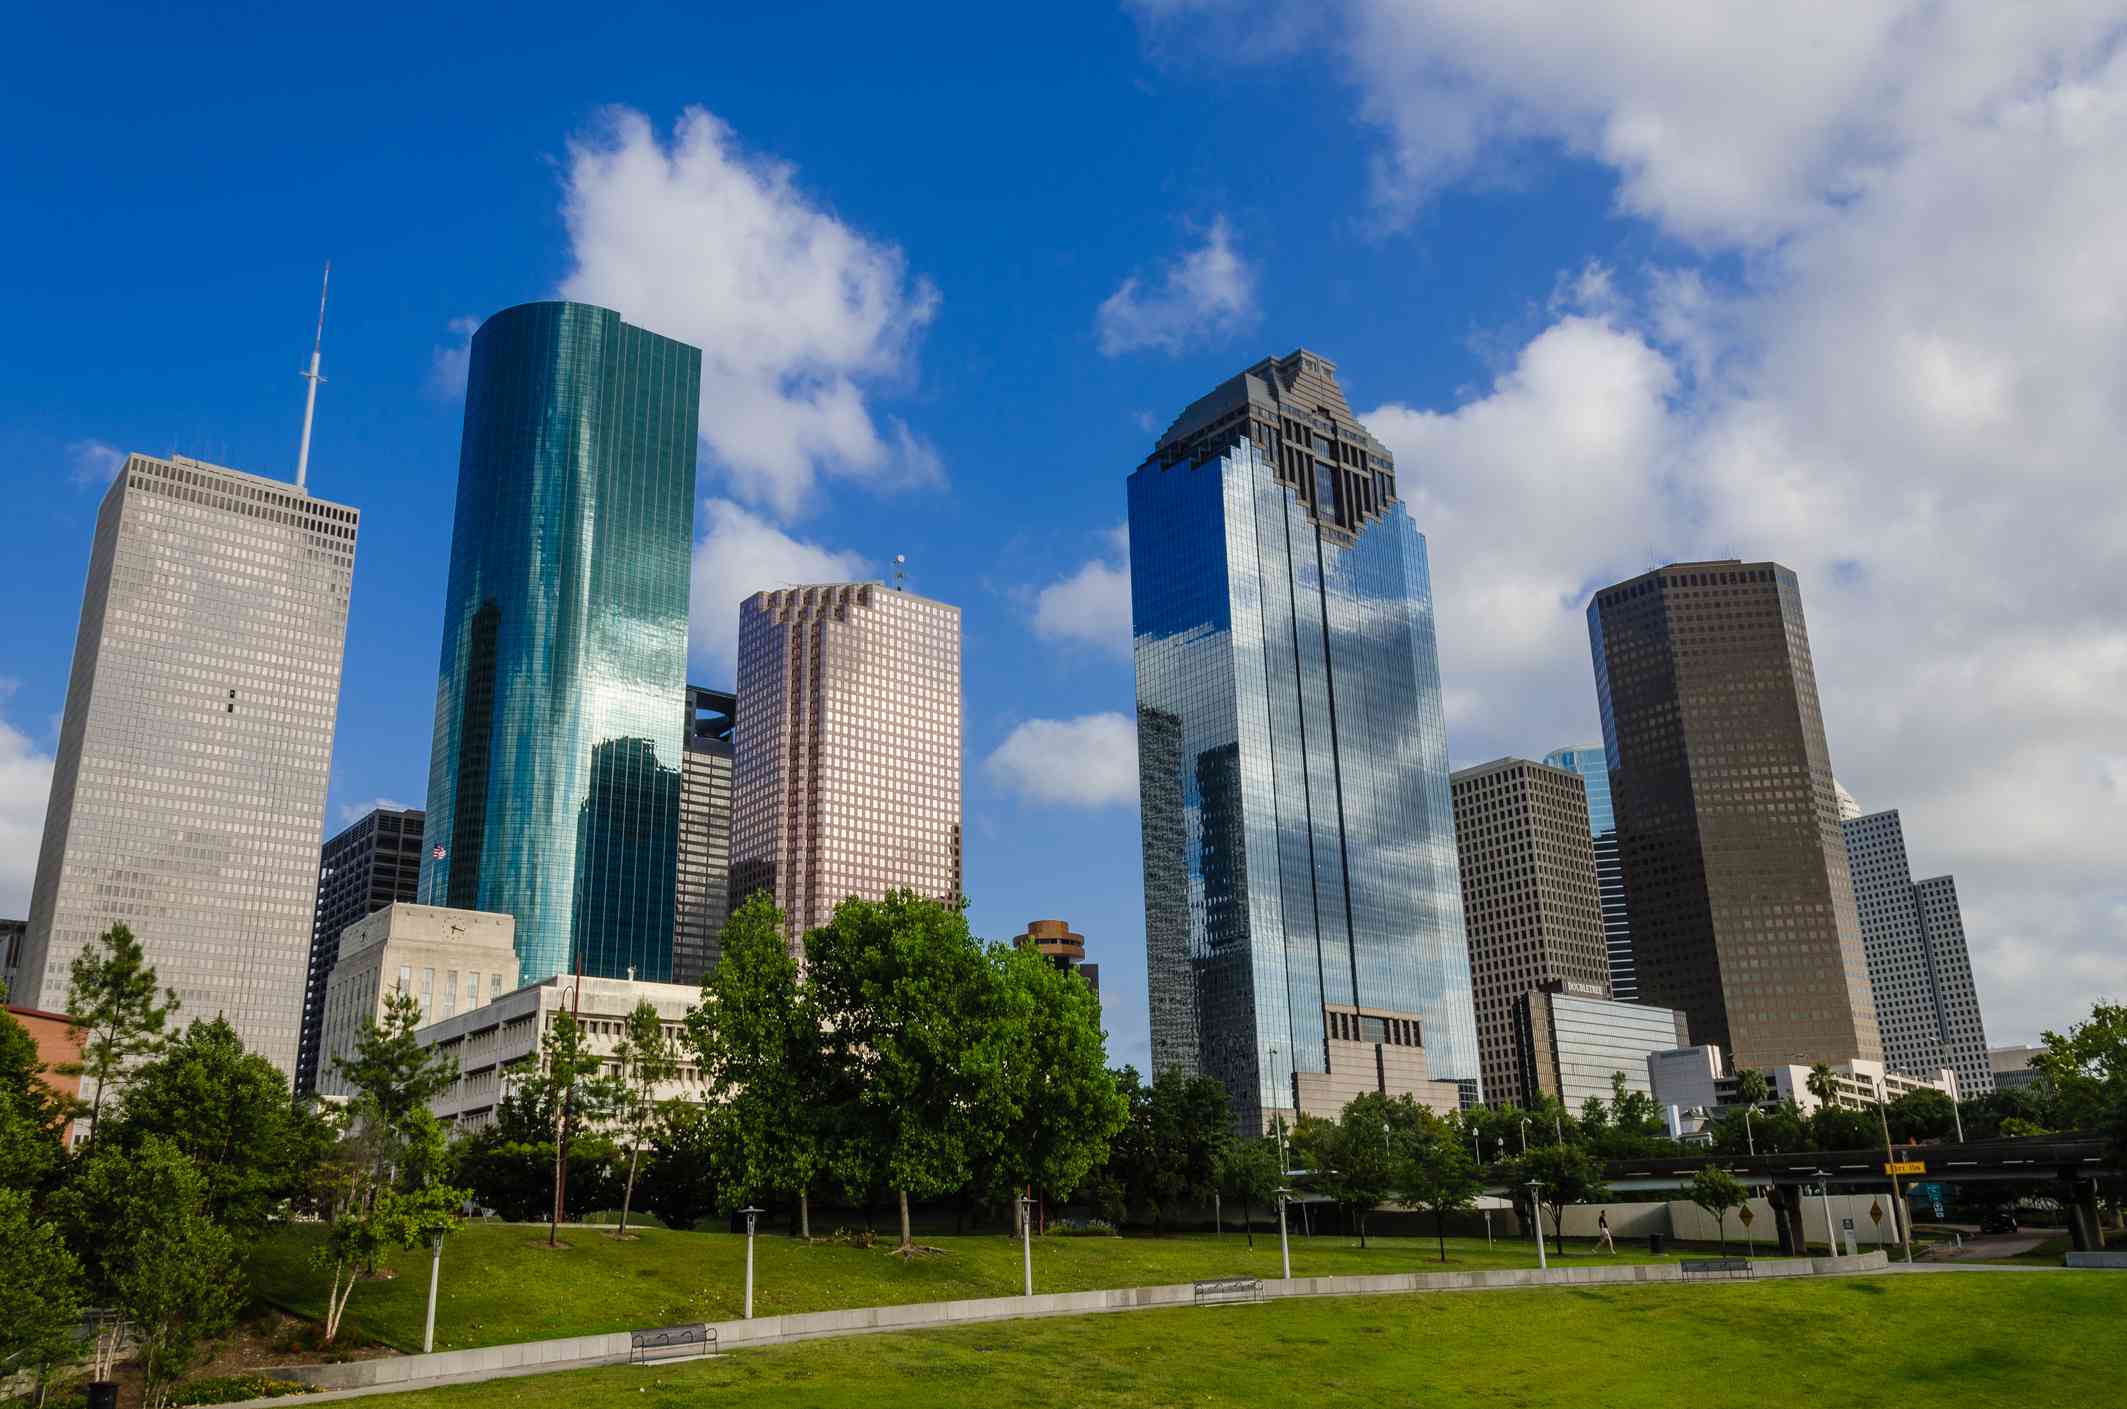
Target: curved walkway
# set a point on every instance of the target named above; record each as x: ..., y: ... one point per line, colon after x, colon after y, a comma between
x: 387, y: 1376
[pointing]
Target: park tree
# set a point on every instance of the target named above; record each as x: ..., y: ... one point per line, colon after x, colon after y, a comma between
x: 1248, y: 1171
x: 568, y: 1085
x: 395, y: 1219
x: 33, y: 1115
x: 1352, y: 1159
x: 1922, y: 1114
x: 40, y: 1287
x: 766, y: 1060
x: 1168, y: 1154
x: 644, y: 1061
x: 1439, y: 1177
x: 1566, y: 1174
x: 138, y: 1218
x: 111, y: 995
x: 2085, y: 1072
x: 911, y: 1006
x: 1716, y: 1190
x: 1061, y: 1107
x: 394, y: 1075
x: 230, y: 1113
x: 682, y: 1184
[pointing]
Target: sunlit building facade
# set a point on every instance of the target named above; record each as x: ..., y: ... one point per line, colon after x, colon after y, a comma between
x: 1593, y: 765
x: 554, y: 779
x: 188, y: 794
x: 846, y: 751
x: 1303, y: 914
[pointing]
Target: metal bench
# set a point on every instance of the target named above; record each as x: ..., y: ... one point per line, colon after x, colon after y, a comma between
x: 697, y: 1339
x: 1730, y: 1268
x: 1221, y: 1290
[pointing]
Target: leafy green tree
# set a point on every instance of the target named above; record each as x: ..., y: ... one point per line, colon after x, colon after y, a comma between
x: 1062, y: 1107
x: 1439, y: 1177
x: 1168, y: 1154
x: 396, y: 1219
x: 230, y: 1113
x: 765, y: 1057
x: 40, y: 1285
x: 911, y: 1005
x: 1843, y: 1128
x: 138, y: 1217
x: 33, y: 1115
x: 1567, y: 1174
x: 566, y: 1082
x: 2085, y: 1073
x: 644, y: 1061
x: 1716, y: 1190
x: 111, y: 994
x: 1923, y: 1114
x: 682, y: 1186
x: 1352, y: 1159
x: 395, y: 1076
x: 1248, y: 1171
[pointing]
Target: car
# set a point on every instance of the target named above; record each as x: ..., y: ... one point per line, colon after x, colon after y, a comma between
x: 2001, y: 1220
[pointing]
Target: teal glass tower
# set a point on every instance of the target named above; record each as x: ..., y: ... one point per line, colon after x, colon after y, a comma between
x: 1304, y: 927
x: 554, y: 780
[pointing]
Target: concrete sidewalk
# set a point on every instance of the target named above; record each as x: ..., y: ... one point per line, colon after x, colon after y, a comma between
x: 355, y: 1378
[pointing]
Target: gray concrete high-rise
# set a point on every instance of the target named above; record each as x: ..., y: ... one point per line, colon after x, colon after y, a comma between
x: 1530, y: 902
x: 1303, y: 923
x: 1919, y: 967
x: 188, y: 794
x: 846, y: 751
x: 1728, y: 822
x: 371, y: 864
x: 701, y: 890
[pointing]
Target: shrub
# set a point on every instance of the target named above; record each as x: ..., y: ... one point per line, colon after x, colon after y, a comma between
x: 227, y: 1389
x: 1080, y: 1228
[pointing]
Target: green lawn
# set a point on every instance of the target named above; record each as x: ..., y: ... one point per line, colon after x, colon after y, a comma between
x: 1944, y: 1341
x: 500, y: 1283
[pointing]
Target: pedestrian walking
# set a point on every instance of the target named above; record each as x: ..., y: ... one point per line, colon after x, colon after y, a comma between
x: 1602, y: 1233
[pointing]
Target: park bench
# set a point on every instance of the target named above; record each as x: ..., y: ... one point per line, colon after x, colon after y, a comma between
x: 696, y: 1339
x: 1220, y: 1290
x: 1729, y: 1268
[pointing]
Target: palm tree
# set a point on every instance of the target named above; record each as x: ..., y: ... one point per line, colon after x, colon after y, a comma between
x: 1823, y: 1084
x: 1751, y: 1087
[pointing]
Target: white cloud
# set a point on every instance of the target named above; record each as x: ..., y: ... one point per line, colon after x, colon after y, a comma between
x: 1898, y: 372
x: 1089, y: 761
x: 93, y: 464
x: 353, y: 812
x: 449, y: 362
x: 800, y: 318
x: 25, y: 788
x: 1092, y: 605
x: 1203, y: 295
x: 741, y: 554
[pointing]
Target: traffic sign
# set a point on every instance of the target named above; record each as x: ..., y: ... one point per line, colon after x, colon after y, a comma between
x: 1747, y: 1216
x: 1847, y: 1224
x: 1905, y: 1166
x: 1875, y: 1211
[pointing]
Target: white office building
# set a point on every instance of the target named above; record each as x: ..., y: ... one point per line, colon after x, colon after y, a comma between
x: 188, y: 794
x: 448, y: 961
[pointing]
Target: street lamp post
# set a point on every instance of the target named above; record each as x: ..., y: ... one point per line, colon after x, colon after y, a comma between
x: 1751, y: 1139
x: 1277, y: 1114
x: 1524, y: 1134
x: 752, y: 1214
x: 1831, y: 1234
x: 1026, y: 1239
x: 435, y: 1266
x: 1536, y: 1216
x: 1284, y: 1244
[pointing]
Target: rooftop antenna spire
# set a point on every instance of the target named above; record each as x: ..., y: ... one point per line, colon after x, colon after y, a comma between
x: 310, y: 402
x: 900, y: 572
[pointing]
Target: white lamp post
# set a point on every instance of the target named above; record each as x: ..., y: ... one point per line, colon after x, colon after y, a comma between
x: 1026, y: 1239
x: 752, y: 1214
x: 1284, y: 1245
x: 435, y: 1265
x: 1536, y: 1212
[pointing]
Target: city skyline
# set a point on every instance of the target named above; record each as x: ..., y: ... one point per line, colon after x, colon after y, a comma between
x: 1588, y: 355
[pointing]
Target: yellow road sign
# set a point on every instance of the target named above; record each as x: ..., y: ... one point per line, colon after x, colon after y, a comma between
x: 1905, y: 1166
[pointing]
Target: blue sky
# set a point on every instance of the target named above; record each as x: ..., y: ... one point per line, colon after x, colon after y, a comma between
x: 1603, y: 285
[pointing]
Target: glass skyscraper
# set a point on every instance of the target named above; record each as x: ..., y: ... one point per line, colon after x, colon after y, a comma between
x: 1593, y: 765
x: 554, y: 781
x: 1301, y: 893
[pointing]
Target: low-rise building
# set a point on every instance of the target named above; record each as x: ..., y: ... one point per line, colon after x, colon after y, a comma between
x: 1373, y: 1052
x: 58, y: 1038
x: 2012, y: 1066
x: 489, y: 1040
x: 449, y: 961
x: 1570, y: 1040
x: 1694, y: 1082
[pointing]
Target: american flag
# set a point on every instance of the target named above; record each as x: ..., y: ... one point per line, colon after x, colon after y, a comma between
x: 436, y: 853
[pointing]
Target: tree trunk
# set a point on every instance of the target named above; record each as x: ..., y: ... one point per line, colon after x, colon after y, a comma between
x: 1360, y: 1219
x: 627, y: 1193
x: 908, y: 1244
x: 1248, y: 1221
x: 1440, y: 1227
x: 805, y: 1214
x: 1558, y: 1228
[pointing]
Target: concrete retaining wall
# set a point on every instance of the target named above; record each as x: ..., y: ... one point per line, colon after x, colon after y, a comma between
x: 533, y: 1357
x: 2098, y: 1259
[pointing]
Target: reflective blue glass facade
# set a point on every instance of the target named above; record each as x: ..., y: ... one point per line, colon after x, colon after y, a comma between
x: 1592, y: 762
x: 1299, y: 838
x: 553, y: 789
